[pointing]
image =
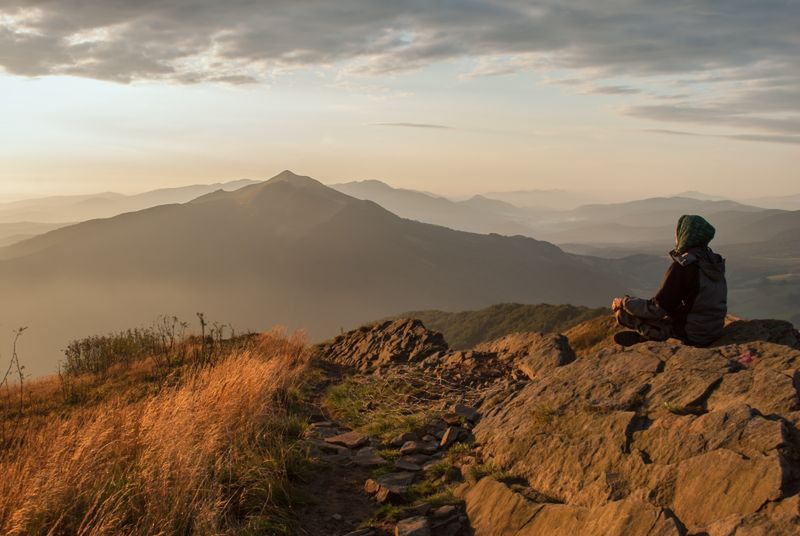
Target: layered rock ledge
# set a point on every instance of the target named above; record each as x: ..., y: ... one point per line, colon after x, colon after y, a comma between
x: 657, y: 439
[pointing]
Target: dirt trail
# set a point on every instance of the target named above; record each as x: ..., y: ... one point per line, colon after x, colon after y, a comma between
x: 336, y: 503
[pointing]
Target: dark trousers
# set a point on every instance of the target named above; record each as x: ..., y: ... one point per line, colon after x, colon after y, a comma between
x: 652, y: 330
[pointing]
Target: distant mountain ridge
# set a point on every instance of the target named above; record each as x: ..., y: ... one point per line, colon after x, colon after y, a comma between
x: 286, y: 251
x: 75, y: 208
x: 477, y: 215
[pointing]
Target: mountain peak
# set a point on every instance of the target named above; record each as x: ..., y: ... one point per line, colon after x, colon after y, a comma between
x: 293, y: 178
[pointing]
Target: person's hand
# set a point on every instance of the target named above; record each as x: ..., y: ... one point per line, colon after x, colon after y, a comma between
x: 616, y: 305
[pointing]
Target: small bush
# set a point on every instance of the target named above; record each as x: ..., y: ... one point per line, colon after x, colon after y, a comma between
x: 165, y: 342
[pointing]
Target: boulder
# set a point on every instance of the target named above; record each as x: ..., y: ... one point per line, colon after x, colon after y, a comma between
x: 496, y: 510
x: 656, y: 428
x: 532, y: 353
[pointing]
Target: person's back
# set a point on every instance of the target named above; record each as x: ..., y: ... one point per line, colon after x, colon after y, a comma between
x: 706, y: 318
x: 692, y: 302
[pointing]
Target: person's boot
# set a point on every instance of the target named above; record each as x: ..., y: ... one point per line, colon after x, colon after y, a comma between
x: 628, y: 338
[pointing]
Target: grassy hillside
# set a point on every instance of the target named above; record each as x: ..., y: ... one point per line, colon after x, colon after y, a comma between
x: 202, y: 443
x: 466, y: 329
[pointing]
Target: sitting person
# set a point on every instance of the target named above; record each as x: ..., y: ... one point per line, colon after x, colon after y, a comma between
x: 692, y: 302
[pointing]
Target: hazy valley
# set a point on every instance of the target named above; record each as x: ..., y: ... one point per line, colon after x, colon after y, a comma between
x: 294, y: 252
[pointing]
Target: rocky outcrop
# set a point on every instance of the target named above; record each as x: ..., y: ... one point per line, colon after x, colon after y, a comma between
x: 533, y: 354
x: 513, y: 358
x: 395, y: 341
x: 710, y: 435
x: 657, y: 439
x: 496, y: 510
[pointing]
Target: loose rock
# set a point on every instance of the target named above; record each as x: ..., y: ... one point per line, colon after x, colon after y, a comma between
x: 367, y: 457
x: 351, y: 440
x: 451, y: 435
x: 469, y: 413
x: 390, y: 488
x: 403, y: 465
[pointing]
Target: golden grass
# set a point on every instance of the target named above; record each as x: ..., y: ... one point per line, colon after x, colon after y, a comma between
x: 208, y: 455
x: 590, y: 336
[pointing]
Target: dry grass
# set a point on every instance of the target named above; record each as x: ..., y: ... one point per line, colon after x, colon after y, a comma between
x: 592, y: 335
x: 211, y: 454
x: 400, y: 400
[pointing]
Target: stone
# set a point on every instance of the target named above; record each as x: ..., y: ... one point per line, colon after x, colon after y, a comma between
x: 421, y: 509
x: 416, y: 459
x: 448, y: 527
x: 351, y: 440
x: 367, y: 457
x: 390, y: 488
x: 402, y: 465
x: 402, y: 439
x: 418, y: 447
x: 467, y: 412
x: 451, y: 436
x: 328, y: 448
x: 413, y: 526
x: 453, y: 419
x: 445, y: 511
x: 322, y: 431
x: 321, y: 424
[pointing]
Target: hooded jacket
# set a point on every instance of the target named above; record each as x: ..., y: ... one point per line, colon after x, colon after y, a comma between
x: 694, y: 292
x: 698, y: 307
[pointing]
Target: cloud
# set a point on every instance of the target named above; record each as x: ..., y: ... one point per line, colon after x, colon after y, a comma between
x: 671, y: 132
x: 613, y: 90
x: 727, y: 114
x: 746, y: 54
x: 129, y: 40
x: 768, y: 138
x: 411, y: 125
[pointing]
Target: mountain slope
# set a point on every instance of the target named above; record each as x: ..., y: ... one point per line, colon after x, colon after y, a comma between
x: 289, y: 251
x: 465, y: 329
x: 477, y: 215
x: 67, y: 208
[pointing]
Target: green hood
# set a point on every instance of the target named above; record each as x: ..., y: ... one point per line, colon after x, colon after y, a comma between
x: 693, y: 231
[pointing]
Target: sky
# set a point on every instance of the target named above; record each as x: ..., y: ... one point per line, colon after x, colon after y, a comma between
x: 455, y: 97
